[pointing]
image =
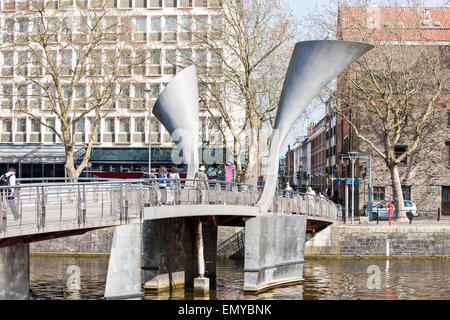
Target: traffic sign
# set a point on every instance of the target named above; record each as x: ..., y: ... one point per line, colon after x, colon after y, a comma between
x: 349, y: 181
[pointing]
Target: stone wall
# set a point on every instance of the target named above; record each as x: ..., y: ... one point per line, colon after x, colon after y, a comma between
x: 99, y: 241
x: 405, y: 240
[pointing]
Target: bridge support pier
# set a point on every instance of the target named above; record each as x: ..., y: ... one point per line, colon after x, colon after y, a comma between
x: 124, y: 271
x: 171, y: 253
x: 15, y: 272
x: 274, y: 251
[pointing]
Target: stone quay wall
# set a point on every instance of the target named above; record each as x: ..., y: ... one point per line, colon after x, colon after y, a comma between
x: 381, y: 240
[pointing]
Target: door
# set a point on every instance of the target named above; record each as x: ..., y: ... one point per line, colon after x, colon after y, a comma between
x: 445, y: 207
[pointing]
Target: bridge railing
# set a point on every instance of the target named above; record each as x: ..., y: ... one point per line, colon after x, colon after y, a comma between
x: 64, y: 203
x: 300, y: 203
x: 79, y: 203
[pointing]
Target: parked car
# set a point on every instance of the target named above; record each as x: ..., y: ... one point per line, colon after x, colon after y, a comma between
x: 383, y: 214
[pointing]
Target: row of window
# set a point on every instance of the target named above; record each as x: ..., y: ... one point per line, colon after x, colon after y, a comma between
x: 144, y: 24
x: 11, y: 5
x: 140, y: 62
x: 379, y: 193
x: 111, y: 129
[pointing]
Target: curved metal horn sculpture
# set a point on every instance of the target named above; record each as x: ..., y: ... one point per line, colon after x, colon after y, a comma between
x: 177, y: 110
x: 313, y: 65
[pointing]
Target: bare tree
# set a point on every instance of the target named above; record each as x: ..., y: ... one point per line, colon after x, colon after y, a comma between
x: 249, y: 44
x: 77, y: 59
x: 392, y: 97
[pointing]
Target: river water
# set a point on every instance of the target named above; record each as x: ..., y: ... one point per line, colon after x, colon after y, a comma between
x: 80, y: 277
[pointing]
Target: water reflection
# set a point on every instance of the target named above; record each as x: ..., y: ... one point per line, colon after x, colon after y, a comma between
x: 56, y: 277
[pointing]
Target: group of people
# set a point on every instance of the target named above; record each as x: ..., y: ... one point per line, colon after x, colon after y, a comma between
x: 168, y: 182
x: 9, y: 179
x: 311, y: 194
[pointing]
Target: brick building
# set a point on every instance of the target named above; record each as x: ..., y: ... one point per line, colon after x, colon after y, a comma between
x: 425, y: 173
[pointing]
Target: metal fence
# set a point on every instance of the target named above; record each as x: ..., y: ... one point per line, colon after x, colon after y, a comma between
x: 64, y: 203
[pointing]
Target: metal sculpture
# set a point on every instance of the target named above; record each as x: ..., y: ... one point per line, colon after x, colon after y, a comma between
x: 177, y: 109
x: 313, y: 65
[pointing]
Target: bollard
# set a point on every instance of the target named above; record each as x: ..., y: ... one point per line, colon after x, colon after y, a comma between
x: 439, y: 214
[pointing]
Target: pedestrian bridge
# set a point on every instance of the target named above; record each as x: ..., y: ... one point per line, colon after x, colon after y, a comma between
x: 175, y: 229
x: 55, y: 209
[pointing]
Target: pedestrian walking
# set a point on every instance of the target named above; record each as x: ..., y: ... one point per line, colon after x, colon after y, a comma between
x: 202, y: 184
x: 173, y: 184
x: 9, y: 179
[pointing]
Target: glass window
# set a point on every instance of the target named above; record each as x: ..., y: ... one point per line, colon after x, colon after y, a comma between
x: 185, y: 3
x: 139, y: 91
x: 21, y: 125
x: 154, y: 90
x: 80, y: 125
x: 109, y: 125
x: 35, y: 126
x: 155, y: 3
x: 9, y: 26
x: 170, y: 3
x: 80, y: 91
x: 140, y: 3
x: 139, y: 125
x: 156, y: 24
x: 201, y: 57
x: 155, y: 56
x: 406, y: 190
x: 50, y: 122
x: 8, y: 58
x: 141, y: 23
x: 6, y: 125
x: 23, y: 25
x: 125, y: 3
x: 171, y: 24
x: 398, y: 151
x: 201, y: 23
x: 7, y: 91
x: 186, y: 23
x: 378, y: 193
x: 171, y: 57
x: 124, y: 125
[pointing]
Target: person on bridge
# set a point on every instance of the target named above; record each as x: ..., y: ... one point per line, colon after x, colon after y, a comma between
x: 173, y: 184
x: 10, y: 179
x: 202, y: 183
x: 162, y: 175
x: 289, y: 190
x: 310, y: 193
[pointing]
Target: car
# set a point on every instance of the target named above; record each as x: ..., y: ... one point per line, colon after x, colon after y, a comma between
x: 383, y: 214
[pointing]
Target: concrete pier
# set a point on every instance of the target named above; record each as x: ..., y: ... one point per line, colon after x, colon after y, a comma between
x: 170, y: 253
x: 124, y: 270
x: 274, y: 248
x: 15, y: 272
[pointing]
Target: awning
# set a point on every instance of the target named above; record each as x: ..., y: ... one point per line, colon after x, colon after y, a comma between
x: 33, y: 153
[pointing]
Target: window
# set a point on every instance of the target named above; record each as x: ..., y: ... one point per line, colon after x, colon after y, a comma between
x: 8, y: 58
x: 109, y: 125
x: 6, y: 125
x: 139, y: 91
x: 170, y: 3
x: 124, y: 125
x: 35, y: 126
x: 447, y: 143
x: 186, y: 23
x: 378, y: 193
x: 398, y: 151
x: 50, y: 122
x: 139, y: 125
x: 406, y: 190
x: 124, y: 3
x: 156, y: 24
x: 201, y: 23
x: 171, y: 57
x: 155, y: 3
x: 140, y: 3
x: 171, y: 24
x: 21, y: 125
x: 154, y: 90
x: 23, y: 25
x: 155, y: 57
x: 80, y: 126
x: 141, y: 23
x: 7, y: 91
x: 185, y: 3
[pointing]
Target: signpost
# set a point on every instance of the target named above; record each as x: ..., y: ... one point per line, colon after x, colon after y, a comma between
x: 390, y: 208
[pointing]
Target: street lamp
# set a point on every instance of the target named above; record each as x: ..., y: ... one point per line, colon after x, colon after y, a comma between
x: 353, y: 156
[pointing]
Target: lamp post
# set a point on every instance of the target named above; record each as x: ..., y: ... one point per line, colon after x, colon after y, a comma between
x: 353, y: 156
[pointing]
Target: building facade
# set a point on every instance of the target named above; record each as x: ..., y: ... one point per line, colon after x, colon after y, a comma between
x: 162, y: 38
x: 425, y: 173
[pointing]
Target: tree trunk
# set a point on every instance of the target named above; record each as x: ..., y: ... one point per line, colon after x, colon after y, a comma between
x: 398, y: 194
x: 69, y: 165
